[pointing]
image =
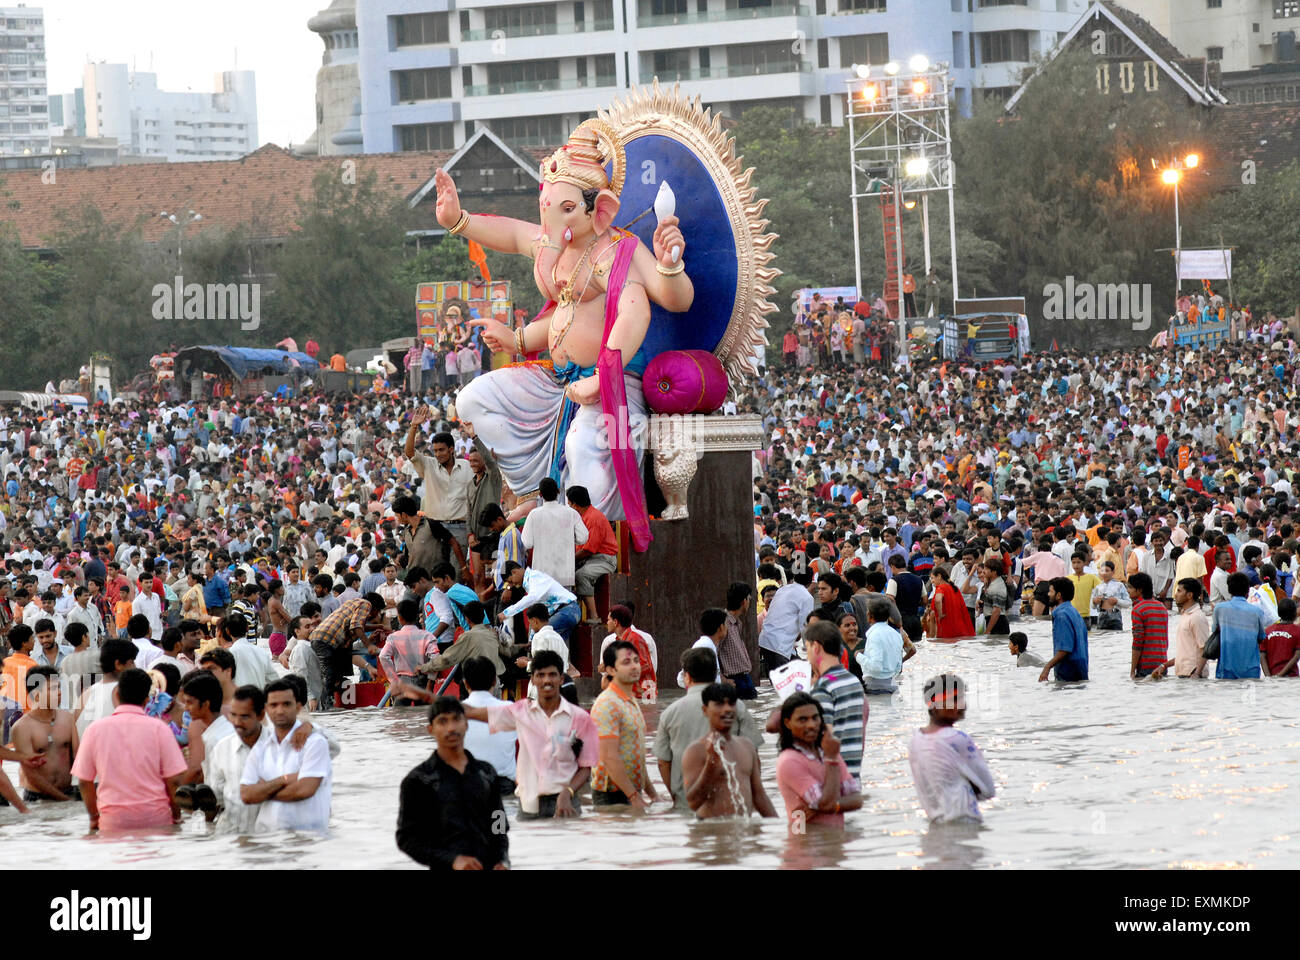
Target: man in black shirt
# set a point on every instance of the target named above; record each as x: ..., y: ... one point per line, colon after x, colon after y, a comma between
x: 451, y: 817
x: 910, y: 597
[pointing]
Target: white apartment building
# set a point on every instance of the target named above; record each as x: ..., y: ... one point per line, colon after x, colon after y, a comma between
x: 24, y: 110
x: 433, y: 71
x: 154, y: 123
x: 1239, y: 34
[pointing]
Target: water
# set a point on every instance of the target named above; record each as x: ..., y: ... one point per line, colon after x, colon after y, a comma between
x: 1107, y: 774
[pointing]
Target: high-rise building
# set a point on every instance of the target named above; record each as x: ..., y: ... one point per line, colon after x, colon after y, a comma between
x: 1238, y: 34
x: 1252, y: 42
x: 430, y: 75
x: 24, y: 109
x: 128, y: 107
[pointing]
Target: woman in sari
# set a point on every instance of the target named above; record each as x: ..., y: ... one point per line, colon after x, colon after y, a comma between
x: 951, y: 616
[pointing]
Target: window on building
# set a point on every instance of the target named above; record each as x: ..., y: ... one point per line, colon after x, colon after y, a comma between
x: 663, y: 8
x: 760, y: 57
x: 524, y: 71
x: 1003, y: 3
x: 1004, y: 46
x: 869, y: 48
x: 1286, y: 8
x: 863, y: 6
x: 433, y: 83
x: 999, y: 94
x: 425, y: 136
x: 415, y: 29
x: 605, y: 69
x: 958, y: 51
x: 1214, y: 53
x: 529, y: 131
x: 1214, y: 4
x: 671, y: 65
x: 537, y: 18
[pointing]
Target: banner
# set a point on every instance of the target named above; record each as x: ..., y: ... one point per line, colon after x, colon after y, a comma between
x: 1205, y: 265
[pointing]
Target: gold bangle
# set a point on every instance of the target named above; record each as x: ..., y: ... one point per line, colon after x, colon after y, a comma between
x: 461, y: 224
x: 681, y: 265
x: 519, y: 341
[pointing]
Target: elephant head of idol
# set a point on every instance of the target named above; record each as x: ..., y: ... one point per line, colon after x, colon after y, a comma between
x: 578, y: 200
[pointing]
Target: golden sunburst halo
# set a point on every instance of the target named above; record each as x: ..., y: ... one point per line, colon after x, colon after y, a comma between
x: 655, y: 110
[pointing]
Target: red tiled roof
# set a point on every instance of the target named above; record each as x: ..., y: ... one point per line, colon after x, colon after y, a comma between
x: 260, y: 190
x: 1266, y: 133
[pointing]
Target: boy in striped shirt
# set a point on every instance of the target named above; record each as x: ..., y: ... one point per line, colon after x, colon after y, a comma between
x: 1150, y: 627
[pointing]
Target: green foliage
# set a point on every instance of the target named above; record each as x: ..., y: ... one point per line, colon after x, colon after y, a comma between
x: 1067, y: 187
x: 335, y: 278
x: 1266, y: 261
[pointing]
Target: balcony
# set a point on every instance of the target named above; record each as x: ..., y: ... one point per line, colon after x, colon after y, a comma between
x: 537, y: 30
x: 716, y: 16
x: 731, y: 72
x: 539, y: 86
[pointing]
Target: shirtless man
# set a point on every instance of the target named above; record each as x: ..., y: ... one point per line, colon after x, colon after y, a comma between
x: 703, y: 773
x: 46, y: 731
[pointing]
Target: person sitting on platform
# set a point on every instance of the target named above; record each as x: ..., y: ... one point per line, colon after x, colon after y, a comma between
x: 541, y: 588
x: 596, y: 558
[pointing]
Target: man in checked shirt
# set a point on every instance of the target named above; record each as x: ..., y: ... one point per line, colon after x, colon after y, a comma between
x: 332, y: 640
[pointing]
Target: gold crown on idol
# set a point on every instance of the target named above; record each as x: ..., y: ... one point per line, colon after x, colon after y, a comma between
x: 582, y: 160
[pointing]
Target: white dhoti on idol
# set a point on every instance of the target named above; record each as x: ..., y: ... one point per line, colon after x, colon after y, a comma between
x: 519, y: 412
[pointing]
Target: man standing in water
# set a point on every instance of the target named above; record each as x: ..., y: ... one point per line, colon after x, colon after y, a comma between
x: 557, y: 742
x: 621, y: 775
x: 451, y: 817
x: 721, y: 773
x: 129, y: 764
x: 1069, y: 635
x: 47, y: 731
x: 295, y: 784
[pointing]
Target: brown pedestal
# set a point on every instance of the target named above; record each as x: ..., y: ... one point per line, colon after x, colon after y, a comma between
x: 691, y: 562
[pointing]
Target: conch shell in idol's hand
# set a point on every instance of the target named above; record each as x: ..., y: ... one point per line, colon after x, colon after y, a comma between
x: 665, y: 207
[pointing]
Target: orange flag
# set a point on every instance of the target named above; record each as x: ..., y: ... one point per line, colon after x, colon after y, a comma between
x: 478, y: 256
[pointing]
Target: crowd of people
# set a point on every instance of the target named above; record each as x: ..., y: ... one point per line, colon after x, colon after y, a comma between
x: 188, y: 588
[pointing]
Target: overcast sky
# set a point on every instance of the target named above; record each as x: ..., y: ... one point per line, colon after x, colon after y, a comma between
x: 188, y: 42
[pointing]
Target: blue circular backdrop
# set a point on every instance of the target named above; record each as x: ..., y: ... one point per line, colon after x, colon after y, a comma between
x: 710, y: 245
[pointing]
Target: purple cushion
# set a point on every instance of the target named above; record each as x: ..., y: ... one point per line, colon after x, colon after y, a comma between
x: 685, y: 381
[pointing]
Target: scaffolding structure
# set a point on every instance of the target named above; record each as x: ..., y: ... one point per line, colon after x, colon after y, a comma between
x: 900, y: 147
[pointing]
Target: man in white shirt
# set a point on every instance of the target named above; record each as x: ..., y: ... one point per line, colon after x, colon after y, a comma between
x: 294, y: 785
x: 713, y: 630
x: 498, y: 749
x: 786, y: 615
x: 252, y: 663
x: 542, y: 588
x: 228, y: 759
x: 83, y: 611
x: 148, y: 604
x: 447, y: 480
x: 553, y: 532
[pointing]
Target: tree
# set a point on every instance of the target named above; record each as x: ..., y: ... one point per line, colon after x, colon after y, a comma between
x: 335, y: 278
x: 1066, y: 187
x: 28, y: 291
x: 104, y: 301
x: 1266, y: 261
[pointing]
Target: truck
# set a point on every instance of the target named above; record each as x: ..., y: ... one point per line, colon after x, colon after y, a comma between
x: 1001, y: 329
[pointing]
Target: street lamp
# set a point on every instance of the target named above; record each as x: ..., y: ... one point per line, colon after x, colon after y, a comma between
x: 1173, y: 175
x: 181, y: 224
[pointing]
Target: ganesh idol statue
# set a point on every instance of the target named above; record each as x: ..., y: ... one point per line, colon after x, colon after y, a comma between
x: 625, y: 292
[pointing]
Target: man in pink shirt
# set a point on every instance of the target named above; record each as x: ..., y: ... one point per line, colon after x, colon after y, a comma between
x: 1047, y: 567
x: 558, y: 742
x: 129, y: 764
